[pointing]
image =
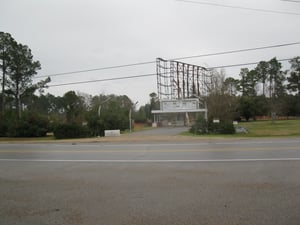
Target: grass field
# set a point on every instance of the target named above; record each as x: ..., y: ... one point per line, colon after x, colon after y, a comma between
x: 278, y: 128
x: 270, y: 129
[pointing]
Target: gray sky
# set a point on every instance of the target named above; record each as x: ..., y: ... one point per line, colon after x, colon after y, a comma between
x: 71, y: 35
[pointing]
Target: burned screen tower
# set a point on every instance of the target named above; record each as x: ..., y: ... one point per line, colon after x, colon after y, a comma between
x: 181, y: 87
x: 177, y: 80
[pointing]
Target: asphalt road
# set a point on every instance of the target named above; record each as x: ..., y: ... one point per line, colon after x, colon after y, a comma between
x: 205, y: 182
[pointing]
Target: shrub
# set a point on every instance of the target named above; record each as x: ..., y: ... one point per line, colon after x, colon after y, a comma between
x: 224, y: 127
x: 200, y: 127
x: 203, y: 127
x: 227, y: 127
x: 70, y: 131
x: 3, y: 128
x: 29, y: 126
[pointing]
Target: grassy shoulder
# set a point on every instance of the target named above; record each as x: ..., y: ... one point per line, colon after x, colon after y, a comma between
x: 26, y: 139
x: 51, y: 139
x: 273, y: 128
x: 278, y: 128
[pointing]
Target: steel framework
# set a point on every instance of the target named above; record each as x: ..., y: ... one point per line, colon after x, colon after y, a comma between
x: 178, y: 80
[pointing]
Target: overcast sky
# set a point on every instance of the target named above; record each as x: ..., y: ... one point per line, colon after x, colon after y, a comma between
x: 72, y: 35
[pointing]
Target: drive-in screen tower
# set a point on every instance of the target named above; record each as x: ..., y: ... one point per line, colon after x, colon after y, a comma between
x: 181, y: 88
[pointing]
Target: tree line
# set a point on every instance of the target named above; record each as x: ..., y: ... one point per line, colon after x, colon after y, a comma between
x: 266, y: 90
x: 27, y: 111
x: 18, y: 68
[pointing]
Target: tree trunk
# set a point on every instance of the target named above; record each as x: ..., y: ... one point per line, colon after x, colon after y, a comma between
x: 17, y: 96
x: 3, y: 86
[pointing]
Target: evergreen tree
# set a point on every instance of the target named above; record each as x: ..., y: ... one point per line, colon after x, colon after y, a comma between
x: 294, y: 76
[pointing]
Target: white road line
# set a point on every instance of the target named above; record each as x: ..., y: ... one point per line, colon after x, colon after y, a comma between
x: 153, y: 145
x: 234, y: 142
x: 150, y: 160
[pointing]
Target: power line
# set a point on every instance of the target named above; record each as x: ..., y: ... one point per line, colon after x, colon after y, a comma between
x: 239, y: 7
x: 101, y: 80
x: 291, y: 1
x: 97, y: 69
x: 238, y: 51
x: 244, y: 64
x: 153, y: 74
x: 179, y: 58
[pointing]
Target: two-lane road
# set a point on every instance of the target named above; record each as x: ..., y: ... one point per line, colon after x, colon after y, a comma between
x: 277, y: 149
x: 212, y: 182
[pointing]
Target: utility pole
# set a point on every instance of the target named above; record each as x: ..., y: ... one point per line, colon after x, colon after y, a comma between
x: 99, y: 110
x: 130, y: 120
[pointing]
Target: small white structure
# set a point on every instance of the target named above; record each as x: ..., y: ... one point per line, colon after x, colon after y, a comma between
x: 112, y: 133
x: 180, y: 107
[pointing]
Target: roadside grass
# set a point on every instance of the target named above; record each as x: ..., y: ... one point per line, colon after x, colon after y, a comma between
x: 278, y: 128
x: 27, y: 139
x: 272, y: 128
x: 50, y: 136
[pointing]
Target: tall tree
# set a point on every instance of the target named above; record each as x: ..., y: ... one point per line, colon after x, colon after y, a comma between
x: 294, y: 75
x: 109, y: 112
x: 247, y: 107
x: 221, y: 101
x: 20, y: 74
x: 231, y: 86
x: 276, y: 78
x: 217, y: 79
x: 248, y: 82
x: 154, y: 104
x: 6, y: 44
x: 74, y: 107
x: 262, y: 70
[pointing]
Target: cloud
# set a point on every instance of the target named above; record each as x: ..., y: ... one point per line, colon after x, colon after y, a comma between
x: 67, y: 35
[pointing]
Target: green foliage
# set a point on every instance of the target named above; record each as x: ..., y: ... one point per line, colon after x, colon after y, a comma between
x: 200, y: 126
x: 109, y: 113
x: 29, y: 126
x: 224, y: 127
x: 247, y: 107
x: 269, y: 128
x: 231, y: 86
x: 203, y: 127
x: 140, y: 115
x: 3, y: 128
x: 222, y: 102
x: 18, y: 97
x: 73, y: 106
x: 294, y: 78
x: 262, y: 105
x: 227, y: 127
x: 6, y: 43
x: 65, y: 131
x: 292, y: 105
x: 262, y: 74
x: 18, y: 68
x: 248, y: 82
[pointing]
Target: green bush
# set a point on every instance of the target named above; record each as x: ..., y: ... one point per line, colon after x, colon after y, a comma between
x: 63, y: 131
x: 29, y: 126
x: 227, y: 128
x: 200, y: 127
x: 3, y: 128
x: 203, y: 127
x: 224, y: 127
x: 214, y: 128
